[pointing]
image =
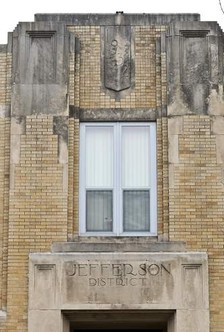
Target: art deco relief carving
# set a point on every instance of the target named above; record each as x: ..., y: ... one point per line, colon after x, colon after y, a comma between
x: 117, y: 58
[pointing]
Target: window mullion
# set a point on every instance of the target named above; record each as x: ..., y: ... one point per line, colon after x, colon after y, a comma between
x: 117, y: 178
x: 82, y: 172
x: 120, y: 217
x: 153, y: 182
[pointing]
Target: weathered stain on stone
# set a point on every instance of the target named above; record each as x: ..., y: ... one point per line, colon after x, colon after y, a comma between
x: 216, y: 101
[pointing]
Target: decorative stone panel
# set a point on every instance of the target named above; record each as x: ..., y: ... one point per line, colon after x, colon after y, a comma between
x: 109, y: 281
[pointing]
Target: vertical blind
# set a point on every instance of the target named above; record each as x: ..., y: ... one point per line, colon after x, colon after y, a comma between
x: 135, y: 157
x: 99, y: 157
x: 135, y: 176
x: 99, y: 176
x: 99, y: 210
x: 136, y: 211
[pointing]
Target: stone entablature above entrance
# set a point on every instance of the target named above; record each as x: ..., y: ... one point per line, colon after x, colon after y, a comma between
x: 62, y: 282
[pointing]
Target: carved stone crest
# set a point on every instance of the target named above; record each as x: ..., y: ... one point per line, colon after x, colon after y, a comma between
x: 117, y: 58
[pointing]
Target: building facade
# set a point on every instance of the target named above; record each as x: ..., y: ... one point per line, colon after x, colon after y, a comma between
x: 112, y: 174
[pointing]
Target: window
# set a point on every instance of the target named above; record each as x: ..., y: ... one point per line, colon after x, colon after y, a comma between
x: 118, y: 179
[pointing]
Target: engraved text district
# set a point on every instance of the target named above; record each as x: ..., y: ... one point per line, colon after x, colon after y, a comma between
x: 118, y: 274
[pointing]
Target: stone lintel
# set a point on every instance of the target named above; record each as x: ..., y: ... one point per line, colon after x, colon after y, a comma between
x: 113, y: 114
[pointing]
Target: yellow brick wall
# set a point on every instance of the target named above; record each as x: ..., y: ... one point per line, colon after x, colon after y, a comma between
x: 4, y: 208
x: 162, y: 179
x: 5, y: 76
x: 149, y: 84
x: 5, y: 88
x: 38, y: 211
x: 73, y: 179
x: 196, y: 203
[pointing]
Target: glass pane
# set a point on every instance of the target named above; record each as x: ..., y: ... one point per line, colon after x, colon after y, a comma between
x: 136, y: 211
x: 99, y: 210
x: 99, y: 156
x: 135, y: 157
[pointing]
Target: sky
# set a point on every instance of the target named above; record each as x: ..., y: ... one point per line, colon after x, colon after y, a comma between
x: 14, y: 11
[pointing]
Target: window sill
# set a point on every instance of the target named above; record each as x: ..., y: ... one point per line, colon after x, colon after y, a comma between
x: 118, y: 244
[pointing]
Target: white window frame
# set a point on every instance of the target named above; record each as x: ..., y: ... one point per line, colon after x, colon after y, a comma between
x: 117, y: 188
